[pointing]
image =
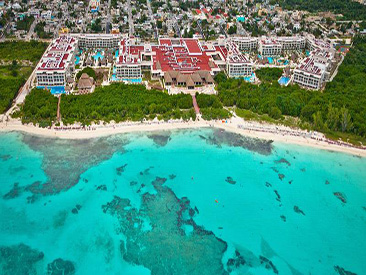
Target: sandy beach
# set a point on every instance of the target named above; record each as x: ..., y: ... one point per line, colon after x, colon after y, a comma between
x: 237, y: 125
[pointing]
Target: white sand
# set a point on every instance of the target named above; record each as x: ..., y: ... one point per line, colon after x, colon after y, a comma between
x: 251, y: 129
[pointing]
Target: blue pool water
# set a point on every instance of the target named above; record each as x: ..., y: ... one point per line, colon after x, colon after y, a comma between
x: 173, y: 202
x: 270, y: 60
x: 54, y: 90
x: 307, y: 53
x: 250, y: 79
x: 98, y: 55
x: 133, y: 80
x: 283, y: 80
x: 77, y: 60
x: 117, y: 53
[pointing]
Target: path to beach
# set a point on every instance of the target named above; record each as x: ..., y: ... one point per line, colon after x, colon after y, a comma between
x: 235, y: 124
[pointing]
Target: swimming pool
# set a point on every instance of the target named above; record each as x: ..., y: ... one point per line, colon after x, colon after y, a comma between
x: 97, y: 56
x: 56, y: 90
x: 117, y: 53
x: 77, y: 60
x: 284, y: 80
x: 133, y: 80
x: 250, y: 79
x: 270, y: 60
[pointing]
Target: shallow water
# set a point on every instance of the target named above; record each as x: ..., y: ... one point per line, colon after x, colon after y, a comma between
x: 181, y: 202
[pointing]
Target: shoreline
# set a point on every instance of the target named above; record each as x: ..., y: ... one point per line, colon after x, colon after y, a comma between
x: 236, y: 125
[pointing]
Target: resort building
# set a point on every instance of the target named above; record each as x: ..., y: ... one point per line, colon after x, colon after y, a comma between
x: 269, y: 47
x: 98, y: 41
x: 237, y: 64
x: 57, y: 63
x: 128, y: 64
x: 314, y: 70
x: 85, y: 84
x: 246, y: 44
x: 290, y: 43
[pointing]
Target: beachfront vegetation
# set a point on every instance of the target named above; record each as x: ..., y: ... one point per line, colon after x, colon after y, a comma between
x: 120, y: 102
x: 211, y: 107
x: 89, y: 71
x: 338, y: 111
x: 350, y: 9
x: 19, y: 58
x: 21, y: 50
x: 269, y: 74
x: 40, y: 107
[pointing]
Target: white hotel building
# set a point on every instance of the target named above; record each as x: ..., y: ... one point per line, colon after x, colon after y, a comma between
x: 57, y: 64
x: 98, y: 41
x: 128, y: 65
x: 237, y: 64
x: 269, y: 47
x: 246, y: 44
x: 313, y: 71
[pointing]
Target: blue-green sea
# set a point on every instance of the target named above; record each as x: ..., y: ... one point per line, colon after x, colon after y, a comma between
x: 181, y: 202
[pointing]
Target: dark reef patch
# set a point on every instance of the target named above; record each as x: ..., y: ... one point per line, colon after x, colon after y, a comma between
x: 327, y: 182
x: 19, y: 259
x: 166, y: 215
x: 236, y: 262
x: 102, y: 187
x: 14, y: 192
x: 298, y: 210
x: 65, y: 160
x: 278, y: 197
x: 268, y: 184
x: 76, y: 209
x: 275, y: 169
x: 60, y: 267
x: 303, y: 169
x: 283, y: 160
x: 121, y: 169
x: 160, y: 139
x: 230, y: 180
x: 283, y: 218
x: 133, y: 183
x: 340, y: 196
x: 342, y: 271
x: 172, y: 177
x: 281, y: 176
x: 220, y: 137
x: 268, y: 264
x: 5, y: 157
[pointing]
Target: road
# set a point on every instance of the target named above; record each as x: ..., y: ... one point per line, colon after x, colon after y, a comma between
x: 130, y: 20
x: 31, y: 30
x: 109, y: 19
x: 156, y: 33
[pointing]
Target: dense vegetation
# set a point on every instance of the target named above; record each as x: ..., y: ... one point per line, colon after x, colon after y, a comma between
x: 120, y: 102
x: 25, y: 23
x: 339, y: 111
x: 14, y: 75
x: 11, y: 78
x: 269, y: 74
x: 350, y: 9
x: 39, y: 29
x: 21, y: 50
x: 211, y: 107
x: 40, y: 107
x: 89, y: 71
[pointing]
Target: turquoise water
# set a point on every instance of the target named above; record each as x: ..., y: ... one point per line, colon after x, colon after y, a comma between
x: 77, y: 60
x: 183, y: 202
x: 270, y: 60
x: 55, y: 90
x: 283, y: 80
x: 97, y: 56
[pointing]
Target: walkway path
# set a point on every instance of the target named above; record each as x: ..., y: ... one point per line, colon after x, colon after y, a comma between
x: 58, y: 109
x: 195, y: 104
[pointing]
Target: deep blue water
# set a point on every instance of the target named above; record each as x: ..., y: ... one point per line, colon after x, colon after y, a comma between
x: 183, y: 202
